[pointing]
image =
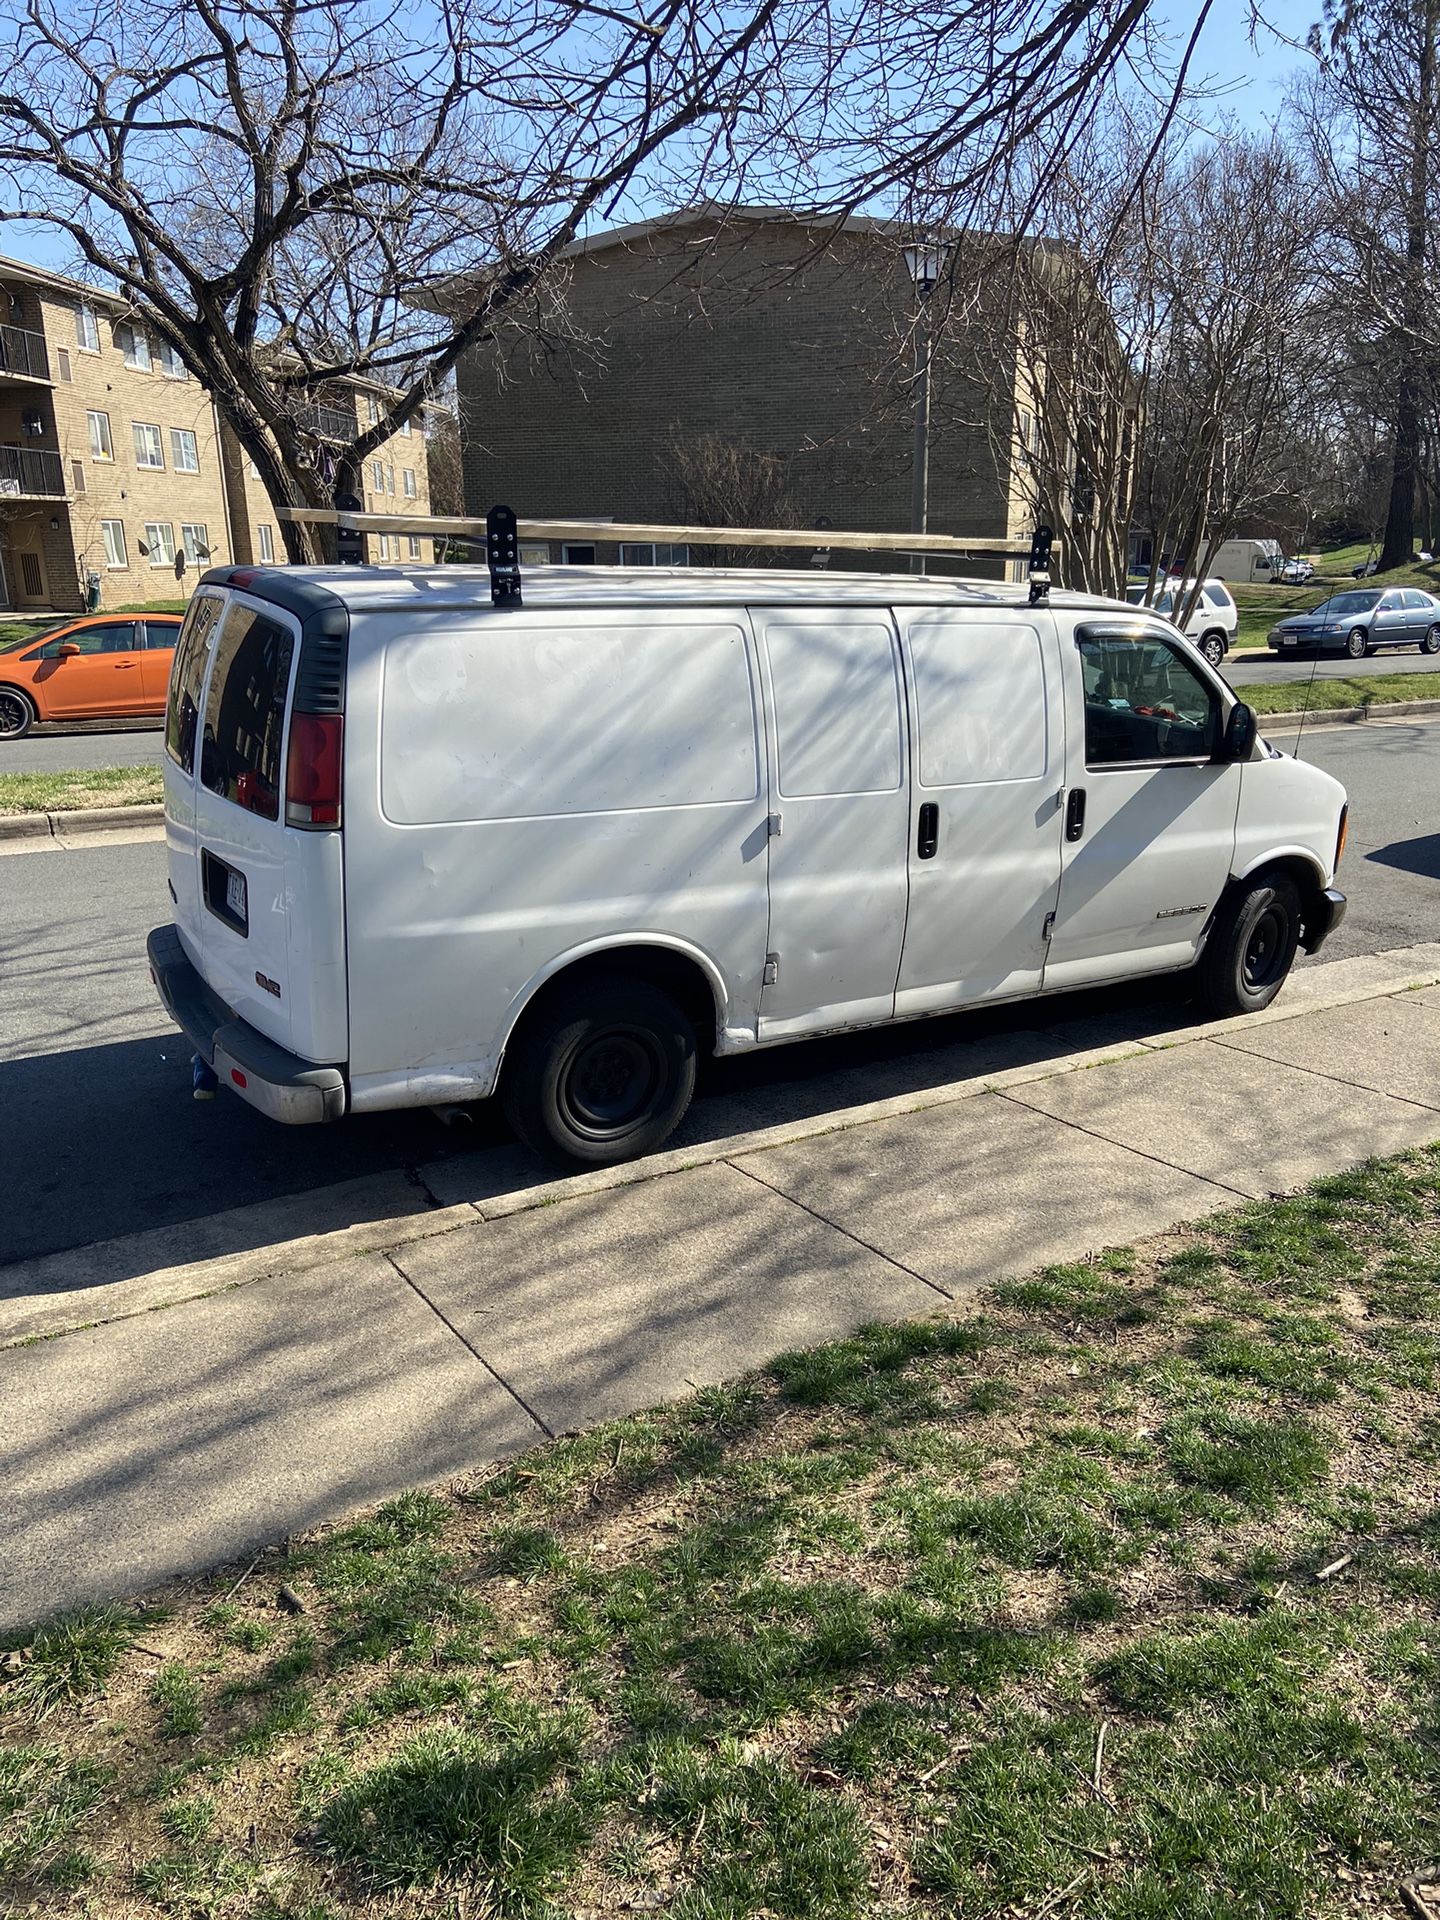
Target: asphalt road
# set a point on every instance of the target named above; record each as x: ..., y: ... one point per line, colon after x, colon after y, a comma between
x: 61, y: 752
x: 99, y: 1135
x: 1263, y: 668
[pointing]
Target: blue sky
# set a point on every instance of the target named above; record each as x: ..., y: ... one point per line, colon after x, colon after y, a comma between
x: 1248, y: 86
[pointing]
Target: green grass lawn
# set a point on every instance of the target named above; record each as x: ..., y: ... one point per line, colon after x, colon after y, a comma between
x: 1116, y: 1599
x: 87, y: 787
x: 1318, y: 695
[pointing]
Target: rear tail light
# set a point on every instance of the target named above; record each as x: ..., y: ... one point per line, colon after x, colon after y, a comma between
x: 313, y: 770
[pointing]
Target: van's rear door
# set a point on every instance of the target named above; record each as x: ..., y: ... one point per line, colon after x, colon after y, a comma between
x: 182, y: 739
x: 269, y: 880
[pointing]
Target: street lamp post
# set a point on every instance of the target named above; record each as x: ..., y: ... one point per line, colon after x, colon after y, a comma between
x: 925, y: 261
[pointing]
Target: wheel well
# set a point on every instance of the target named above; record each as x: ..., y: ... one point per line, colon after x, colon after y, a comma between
x: 1302, y: 875
x: 684, y: 979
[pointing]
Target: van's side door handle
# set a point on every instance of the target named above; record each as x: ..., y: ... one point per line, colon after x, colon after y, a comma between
x: 928, y: 838
x: 1075, y: 814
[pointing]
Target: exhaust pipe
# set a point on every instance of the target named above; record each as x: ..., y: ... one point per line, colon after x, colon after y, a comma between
x: 451, y: 1115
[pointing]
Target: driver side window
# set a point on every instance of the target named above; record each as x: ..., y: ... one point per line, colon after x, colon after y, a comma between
x: 1144, y: 703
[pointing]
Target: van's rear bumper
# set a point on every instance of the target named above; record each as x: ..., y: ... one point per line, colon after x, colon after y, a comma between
x: 270, y: 1077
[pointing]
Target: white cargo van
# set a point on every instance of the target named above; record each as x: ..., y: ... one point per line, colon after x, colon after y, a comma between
x: 423, y: 849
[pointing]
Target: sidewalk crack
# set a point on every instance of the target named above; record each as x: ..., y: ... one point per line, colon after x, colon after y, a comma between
x: 845, y: 1232
x: 1335, y: 1079
x: 472, y: 1349
x: 1155, y: 1159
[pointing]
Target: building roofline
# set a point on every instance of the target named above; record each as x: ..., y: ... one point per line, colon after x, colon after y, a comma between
x: 60, y: 283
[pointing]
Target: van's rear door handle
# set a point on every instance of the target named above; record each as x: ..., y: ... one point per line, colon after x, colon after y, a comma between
x: 928, y: 838
x: 1075, y: 814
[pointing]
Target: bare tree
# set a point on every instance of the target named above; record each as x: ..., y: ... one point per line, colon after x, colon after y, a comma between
x: 296, y: 193
x: 1373, y: 118
x: 726, y: 483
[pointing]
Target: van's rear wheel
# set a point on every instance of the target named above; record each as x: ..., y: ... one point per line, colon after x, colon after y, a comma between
x: 601, y: 1071
x: 1251, y: 946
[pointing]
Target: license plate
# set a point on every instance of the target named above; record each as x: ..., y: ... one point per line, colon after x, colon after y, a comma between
x: 1287, y: 643
x: 235, y: 895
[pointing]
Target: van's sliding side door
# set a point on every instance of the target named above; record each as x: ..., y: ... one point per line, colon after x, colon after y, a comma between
x: 839, y: 812
x: 988, y: 722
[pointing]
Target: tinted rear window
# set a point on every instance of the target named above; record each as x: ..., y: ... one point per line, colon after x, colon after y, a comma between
x: 187, y: 677
x: 245, y: 711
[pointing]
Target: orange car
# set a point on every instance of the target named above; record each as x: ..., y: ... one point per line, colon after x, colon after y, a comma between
x: 108, y: 665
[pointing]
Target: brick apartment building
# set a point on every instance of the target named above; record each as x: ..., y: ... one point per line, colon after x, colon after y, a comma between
x: 746, y: 326
x: 113, y: 463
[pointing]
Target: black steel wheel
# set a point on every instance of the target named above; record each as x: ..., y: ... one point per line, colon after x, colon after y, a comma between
x: 601, y: 1071
x: 1252, y: 945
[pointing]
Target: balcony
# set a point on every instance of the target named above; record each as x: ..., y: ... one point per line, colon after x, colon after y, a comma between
x: 31, y: 473
x: 22, y: 355
x: 328, y: 423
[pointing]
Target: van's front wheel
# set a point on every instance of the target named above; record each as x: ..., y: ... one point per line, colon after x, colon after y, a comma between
x: 601, y: 1071
x: 1251, y: 947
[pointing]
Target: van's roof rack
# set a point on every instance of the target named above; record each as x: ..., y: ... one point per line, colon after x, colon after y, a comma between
x: 609, y: 532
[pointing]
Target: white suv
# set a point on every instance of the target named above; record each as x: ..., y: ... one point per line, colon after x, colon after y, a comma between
x: 1213, y: 624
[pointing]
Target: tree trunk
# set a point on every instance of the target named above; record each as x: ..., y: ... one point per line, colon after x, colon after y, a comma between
x: 1399, y: 547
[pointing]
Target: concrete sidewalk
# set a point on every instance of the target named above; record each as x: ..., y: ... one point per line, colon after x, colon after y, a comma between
x: 174, y: 1400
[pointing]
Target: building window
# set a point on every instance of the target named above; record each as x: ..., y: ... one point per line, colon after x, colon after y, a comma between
x: 195, y: 540
x: 372, y: 411
x: 149, y: 450
x: 407, y: 479
x: 62, y: 357
x: 87, y: 328
x: 414, y: 542
x: 77, y: 476
x: 112, y: 532
x: 647, y: 553
x: 576, y: 556
x: 390, y: 479
x: 184, y: 453
x: 100, y: 447
x: 171, y: 365
x: 377, y: 475
x: 534, y: 553
x: 135, y: 345
x: 405, y: 426
x: 160, y: 539
x: 265, y: 535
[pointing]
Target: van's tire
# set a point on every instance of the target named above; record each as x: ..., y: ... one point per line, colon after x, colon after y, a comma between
x: 1212, y: 645
x: 1251, y: 947
x: 1357, y: 644
x: 601, y: 1071
x: 17, y: 713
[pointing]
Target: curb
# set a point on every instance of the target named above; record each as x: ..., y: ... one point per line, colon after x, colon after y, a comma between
x: 1345, y: 716
x: 58, y: 826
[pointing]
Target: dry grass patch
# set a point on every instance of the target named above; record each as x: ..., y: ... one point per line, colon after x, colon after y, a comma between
x: 1116, y: 1600
x: 83, y: 787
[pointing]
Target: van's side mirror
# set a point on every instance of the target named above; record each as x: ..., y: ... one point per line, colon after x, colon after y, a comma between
x: 66, y: 650
x: 1240, y: 730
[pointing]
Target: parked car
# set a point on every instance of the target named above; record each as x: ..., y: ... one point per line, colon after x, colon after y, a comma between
x: 1362, y: 619
x: 106, y: 666
x: 1365, y: 568
x: 1295, y: 573
x: 1214, y: 621
x: 425, y: 849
